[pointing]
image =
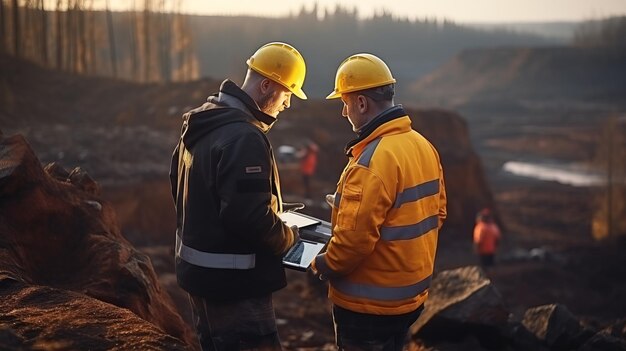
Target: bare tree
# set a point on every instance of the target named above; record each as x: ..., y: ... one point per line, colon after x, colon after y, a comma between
x: 165, y: 43
x: 69, y: 61
x: 16, y: 29
x: 44, y: 32
x: 607, y: 221
x: 160, y: 47
x: 92, y: 40
x: 79, y: 48
x: 82, y: 34
x: 134, y: 54
x: 146, y: 40
x: 2, y: 22
x: 59, y: 36
x: 28, y: 37
x: 182, y: 45
x: 112, y: 51
x: 178, y: 43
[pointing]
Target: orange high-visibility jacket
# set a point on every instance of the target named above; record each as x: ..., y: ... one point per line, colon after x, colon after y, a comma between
x: 486, y: 237
x: 389, y: 206
x: 309, y: 162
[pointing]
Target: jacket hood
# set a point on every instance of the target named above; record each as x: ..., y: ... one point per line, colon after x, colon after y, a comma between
x: 230, y: 105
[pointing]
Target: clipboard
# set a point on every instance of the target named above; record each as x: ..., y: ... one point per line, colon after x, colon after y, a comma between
x: 314, y: 235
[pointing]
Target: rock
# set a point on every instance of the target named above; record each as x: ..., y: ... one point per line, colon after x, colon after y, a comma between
x: 522, y: 339
x: 604, y: 342
x: 555, y: 326
x: 44, y: 318
x: 466, y: 184
x: 51, y: 237
x: 18, y: 165
x: 611, y: 338
x: 56, y: 171
x: 9, y: 339
x: 617, y: 329
x: 461, y: 302
x: 83, y: 181
x: 95, y: 204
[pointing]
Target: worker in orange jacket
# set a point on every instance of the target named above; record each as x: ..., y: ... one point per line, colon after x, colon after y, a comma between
x: 386, y: 214
x: 308, y: 164
x: 486, y: 238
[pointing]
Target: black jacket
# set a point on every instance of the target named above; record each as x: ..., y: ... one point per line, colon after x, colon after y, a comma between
x: 226, y: 189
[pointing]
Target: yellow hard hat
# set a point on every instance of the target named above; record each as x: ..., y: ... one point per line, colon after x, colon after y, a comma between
x: 281, y: 63
x: 360, y: 72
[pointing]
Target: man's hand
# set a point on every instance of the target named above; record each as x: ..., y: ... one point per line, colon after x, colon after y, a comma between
x: 296, y: 234
x: 292, y: 206
x: 330, y: 200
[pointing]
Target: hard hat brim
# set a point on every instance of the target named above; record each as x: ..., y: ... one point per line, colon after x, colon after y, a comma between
x: 333, y: 95
x: 299, y: 93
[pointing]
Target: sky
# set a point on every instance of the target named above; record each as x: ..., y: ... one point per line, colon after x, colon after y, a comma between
x: 464, y: 11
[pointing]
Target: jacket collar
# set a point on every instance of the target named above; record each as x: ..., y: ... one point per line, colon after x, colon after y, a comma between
x: 377, y: 127
x: 232, y: 95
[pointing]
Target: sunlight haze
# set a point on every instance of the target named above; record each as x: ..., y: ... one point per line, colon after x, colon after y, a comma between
x: 456, y: 10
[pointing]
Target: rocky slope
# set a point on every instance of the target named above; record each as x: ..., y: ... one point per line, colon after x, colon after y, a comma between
x: 527, y: 78
x: 68, y: 274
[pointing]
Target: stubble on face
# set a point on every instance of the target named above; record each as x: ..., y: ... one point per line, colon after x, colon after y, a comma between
x: 275, y: 100
x: 350, y: 111
x: 268, y: 103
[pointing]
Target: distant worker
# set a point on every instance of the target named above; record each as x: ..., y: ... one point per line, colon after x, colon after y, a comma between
x: 229, y: 238
x: 308, y: 164
x: 387, y: 211
x: 486, y: 237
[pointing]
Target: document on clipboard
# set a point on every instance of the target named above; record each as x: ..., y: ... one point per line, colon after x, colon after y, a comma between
x: 314, y: 235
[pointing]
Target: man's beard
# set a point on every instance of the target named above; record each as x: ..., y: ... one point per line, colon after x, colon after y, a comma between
x: 267, y: 104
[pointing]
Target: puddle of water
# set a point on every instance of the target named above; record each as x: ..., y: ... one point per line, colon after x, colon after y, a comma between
x: 563, y: 174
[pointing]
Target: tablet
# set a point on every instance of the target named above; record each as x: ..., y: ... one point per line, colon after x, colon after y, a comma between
x: 314, y: 235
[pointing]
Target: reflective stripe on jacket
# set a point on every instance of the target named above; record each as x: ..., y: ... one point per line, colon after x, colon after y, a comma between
x: 389, y: 206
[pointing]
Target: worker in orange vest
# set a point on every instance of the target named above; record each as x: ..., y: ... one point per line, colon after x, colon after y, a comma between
x: 486, y: 237
x: 308, y: 164
x: 387, y: 211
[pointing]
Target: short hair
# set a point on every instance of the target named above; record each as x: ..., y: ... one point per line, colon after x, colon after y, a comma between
x: 254, y: 76
x: 380, y: 94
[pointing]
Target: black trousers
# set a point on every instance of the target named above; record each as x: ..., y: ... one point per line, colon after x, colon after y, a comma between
x: 487, y: 260
x: 248, y: 324
x: 367, y: 332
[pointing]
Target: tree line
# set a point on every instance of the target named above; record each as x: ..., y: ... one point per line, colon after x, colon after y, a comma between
x: 151, y: 42
x: 607, y: 32
x: 411, y: 47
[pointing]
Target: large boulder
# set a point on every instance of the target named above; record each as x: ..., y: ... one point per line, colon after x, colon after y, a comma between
x: 463, y: 301
x: 62, y: 236
x: 555, y: 326
x: 604, y: 342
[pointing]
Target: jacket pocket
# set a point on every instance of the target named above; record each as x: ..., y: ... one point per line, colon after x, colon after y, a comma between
x: 349, y: 207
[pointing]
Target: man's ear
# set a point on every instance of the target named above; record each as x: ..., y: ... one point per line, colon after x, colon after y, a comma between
x: 361, y: 104
x: 265, y: 86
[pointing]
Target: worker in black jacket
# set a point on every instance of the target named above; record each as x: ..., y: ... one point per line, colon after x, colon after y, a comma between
x: 229, y: 238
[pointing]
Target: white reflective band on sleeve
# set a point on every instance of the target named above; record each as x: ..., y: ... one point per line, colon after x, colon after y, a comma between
x: 213, y: 260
